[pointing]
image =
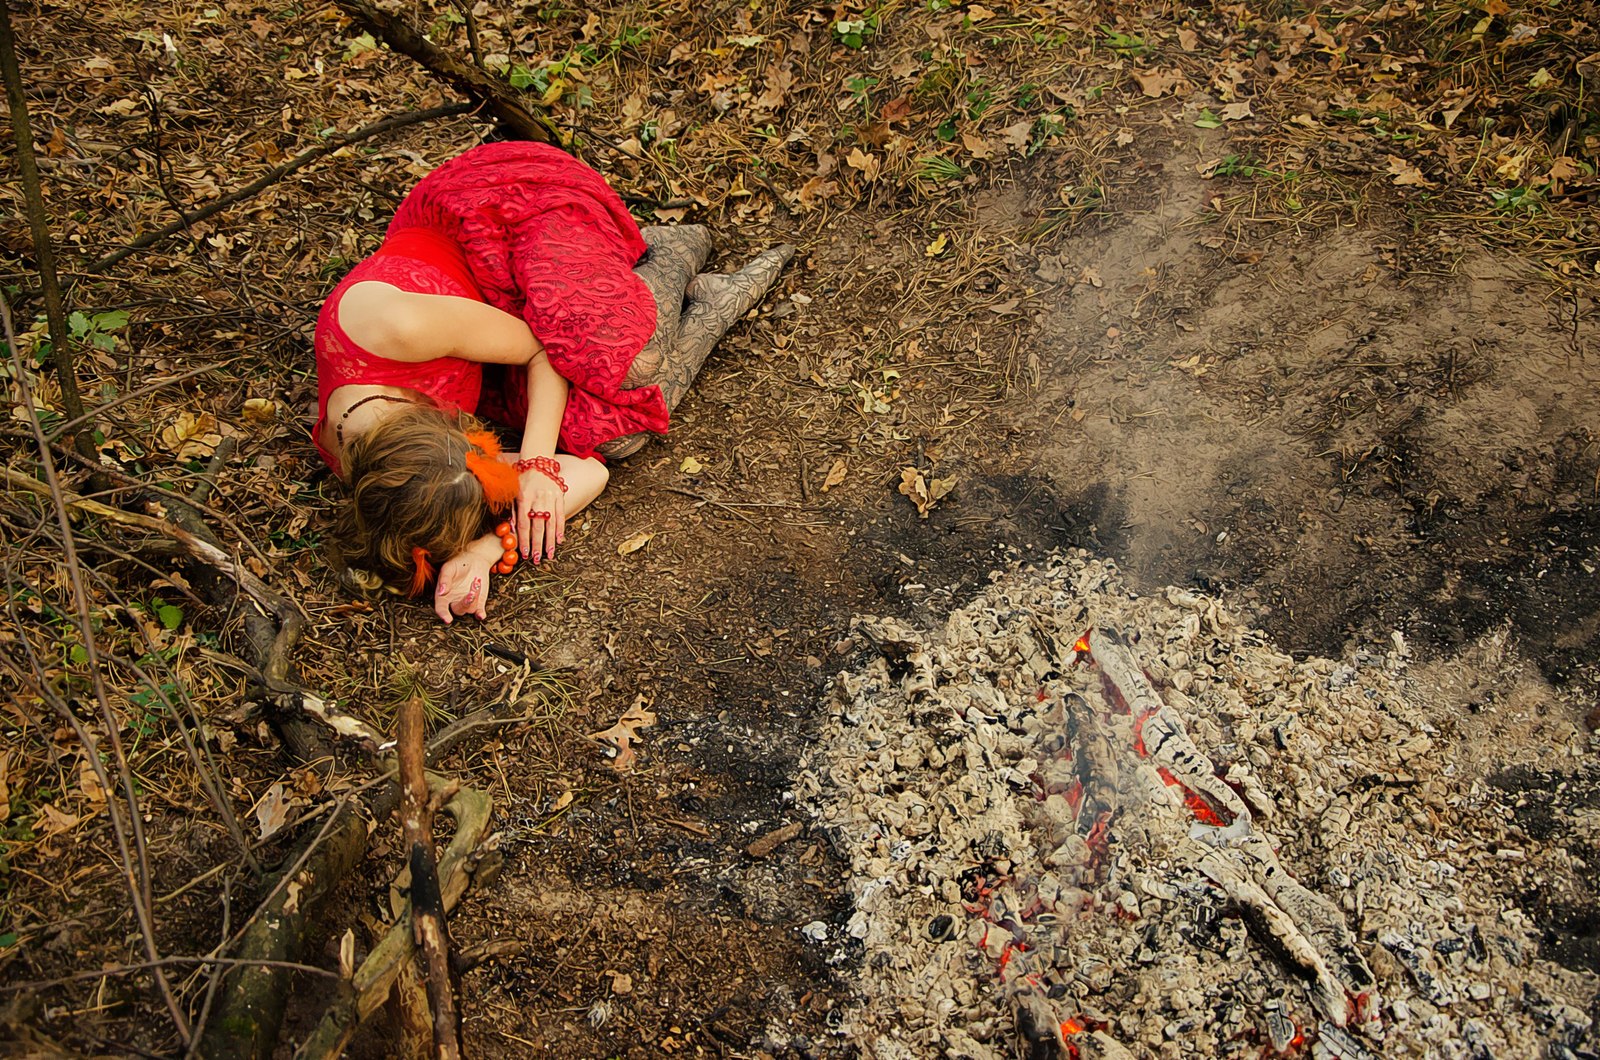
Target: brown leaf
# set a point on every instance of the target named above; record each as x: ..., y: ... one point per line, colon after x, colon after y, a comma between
x: 923, y: 493
x: 621, y: 735
x: 635, y: 543
x: 55, y: 821
x: 1157, y: 83
x: 89, y: 782
x: 976, y: 145
x: 835, y: 475
x: 192, y: 435
x: 897, y: 109
x: 868, y: 164
x: 1405, y: 173
x: 5, y: 786
x: 272, y: 812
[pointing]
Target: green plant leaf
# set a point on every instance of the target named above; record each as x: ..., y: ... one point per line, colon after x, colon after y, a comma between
x: 171, y: 617
x: 1208, y: 120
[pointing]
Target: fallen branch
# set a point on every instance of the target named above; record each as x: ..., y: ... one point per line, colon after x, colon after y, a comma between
x: 250, y: 1005
x: 430, y: 931
x: 272, y: 176
x: 379, y: 972
x: 496, y: 98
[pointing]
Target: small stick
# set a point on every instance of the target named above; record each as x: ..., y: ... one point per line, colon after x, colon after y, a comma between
x: 272, y: 176
x: 431, y: 932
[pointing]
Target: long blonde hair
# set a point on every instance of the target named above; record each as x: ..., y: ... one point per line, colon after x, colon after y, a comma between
x: 414, y: 500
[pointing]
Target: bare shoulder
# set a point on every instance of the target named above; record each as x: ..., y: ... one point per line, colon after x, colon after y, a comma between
x: 370, y: 314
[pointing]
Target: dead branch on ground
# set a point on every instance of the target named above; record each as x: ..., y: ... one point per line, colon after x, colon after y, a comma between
x: 430, y: 931
x: 496, y: 98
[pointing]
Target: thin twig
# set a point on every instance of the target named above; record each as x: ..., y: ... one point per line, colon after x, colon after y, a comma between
x: 474, y: 45
x: 272, y: 176
x: 130, y: 835
x: 159, y: 384
x: 165, y: 962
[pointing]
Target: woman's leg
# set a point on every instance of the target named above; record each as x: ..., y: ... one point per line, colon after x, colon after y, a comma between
x: 677, y: 253
x: 712, y: 303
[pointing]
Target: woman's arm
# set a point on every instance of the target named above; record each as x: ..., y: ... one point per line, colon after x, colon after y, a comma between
x: 463, y: 585
x: 404, y: 326
x: 542, y: 504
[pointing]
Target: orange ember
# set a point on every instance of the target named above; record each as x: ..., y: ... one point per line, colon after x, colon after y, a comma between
x: 1082, y: 644
x: 1202, y: 810
x: 1070, y: 1027
x: 1138, y: 733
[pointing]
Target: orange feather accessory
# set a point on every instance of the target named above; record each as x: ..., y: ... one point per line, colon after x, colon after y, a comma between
x: 498, y: 478
x: 423, y: 574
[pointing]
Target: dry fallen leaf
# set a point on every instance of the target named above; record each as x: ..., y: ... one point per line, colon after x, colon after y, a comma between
x: 836, y: 475
x: 272, y: 812
x: 976, y: 145
x: 90, y: 783
x: 635, y: 543
x: 924, y: 494
x: 691, y: 466
x: 936, y: 248
x: 259, y: 410
x: 1405, y: 173
x: 1017, y: 136
x: 621, y: 735
x: 191, y: 435
x: 55, y: 821
x: 5, y: 788
x: 868, y: 164
x: 1157, y: 83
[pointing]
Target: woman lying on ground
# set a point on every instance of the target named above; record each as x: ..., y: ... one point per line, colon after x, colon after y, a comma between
x: 513, y: 285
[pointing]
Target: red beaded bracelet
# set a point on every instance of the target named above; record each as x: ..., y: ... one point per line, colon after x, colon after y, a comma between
x: 547, y: 466
x: 508, y: 543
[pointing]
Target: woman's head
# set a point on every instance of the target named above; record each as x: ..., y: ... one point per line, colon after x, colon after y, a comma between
x: 416, y: 484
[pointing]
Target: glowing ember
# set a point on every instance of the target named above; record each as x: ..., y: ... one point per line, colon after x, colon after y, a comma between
x: 1203, y: 811
x: 1070, y: 1027
x: 1138, y: 732
x: 1081, y: 646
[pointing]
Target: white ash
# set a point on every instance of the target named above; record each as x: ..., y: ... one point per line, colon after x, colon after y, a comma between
x: 962, y: 769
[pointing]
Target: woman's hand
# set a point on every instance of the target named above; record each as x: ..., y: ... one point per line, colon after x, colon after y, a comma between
x: 541, y: 511
x: 463, y: 585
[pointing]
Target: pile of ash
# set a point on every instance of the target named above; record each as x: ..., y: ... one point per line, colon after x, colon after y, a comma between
x: 1086, y: 823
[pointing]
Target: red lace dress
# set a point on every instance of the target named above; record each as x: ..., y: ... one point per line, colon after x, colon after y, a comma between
x: 534, y: 232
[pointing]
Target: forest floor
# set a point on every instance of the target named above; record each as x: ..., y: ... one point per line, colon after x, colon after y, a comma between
x: 1293, y: 303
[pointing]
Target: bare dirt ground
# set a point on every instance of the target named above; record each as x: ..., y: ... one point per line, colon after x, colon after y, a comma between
x: 1236, y: 351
